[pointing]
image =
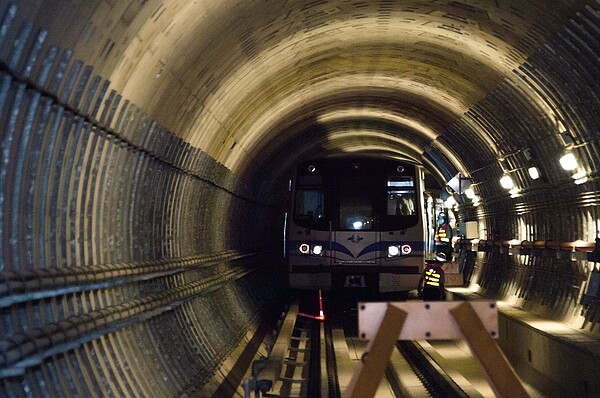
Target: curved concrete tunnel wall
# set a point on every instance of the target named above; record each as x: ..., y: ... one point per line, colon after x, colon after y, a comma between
x: 130, y: 213
x: 132, y: 263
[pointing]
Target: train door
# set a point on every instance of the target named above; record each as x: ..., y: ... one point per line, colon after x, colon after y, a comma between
x: 354, y: 240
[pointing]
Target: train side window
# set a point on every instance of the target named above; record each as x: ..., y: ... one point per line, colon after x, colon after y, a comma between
x: 400, y: 196
x: 401, y: 203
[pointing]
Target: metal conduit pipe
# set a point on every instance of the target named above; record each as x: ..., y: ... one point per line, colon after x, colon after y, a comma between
x: 38, y: 284
x: 26, y: 349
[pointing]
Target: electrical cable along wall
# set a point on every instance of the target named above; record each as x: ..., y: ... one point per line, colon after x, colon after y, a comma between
x: 114, y: 277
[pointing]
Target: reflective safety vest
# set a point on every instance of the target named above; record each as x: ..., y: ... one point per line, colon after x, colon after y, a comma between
x: 432, y: 278
x: 441, y: 235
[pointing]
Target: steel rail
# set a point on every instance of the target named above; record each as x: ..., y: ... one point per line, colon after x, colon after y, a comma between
x: 438, y: 383
x: 333, y: 383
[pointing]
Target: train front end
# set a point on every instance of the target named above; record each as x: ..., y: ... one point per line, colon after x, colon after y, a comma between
x: 356, y: 225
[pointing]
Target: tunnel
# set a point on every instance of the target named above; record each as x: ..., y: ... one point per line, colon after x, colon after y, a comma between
x: 146, y: 148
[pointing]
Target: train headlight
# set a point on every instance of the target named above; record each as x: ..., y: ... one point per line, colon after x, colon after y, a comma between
x: 399, y: 250
x: 304, y: 248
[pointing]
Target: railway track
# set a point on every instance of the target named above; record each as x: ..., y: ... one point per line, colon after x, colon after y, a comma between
x: 319, y: 360
x: 411, y: 372
x: 433, y: 378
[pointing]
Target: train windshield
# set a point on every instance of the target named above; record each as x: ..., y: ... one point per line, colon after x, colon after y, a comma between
x: 357, y: 185
x: 356, y: 196
x: 356, y: 211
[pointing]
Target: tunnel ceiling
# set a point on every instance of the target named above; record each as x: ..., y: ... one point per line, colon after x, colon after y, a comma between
x: 254, y: 83
x: 144, y: 142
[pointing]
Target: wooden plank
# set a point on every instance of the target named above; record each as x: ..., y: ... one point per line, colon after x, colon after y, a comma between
x: 425, y: 320
x: 367, y: 377
x: 501, y: 375
x: 279, y: 352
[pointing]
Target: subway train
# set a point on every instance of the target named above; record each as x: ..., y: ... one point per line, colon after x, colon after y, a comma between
x: 356, y: 224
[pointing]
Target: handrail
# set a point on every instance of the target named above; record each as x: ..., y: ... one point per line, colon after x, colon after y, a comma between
x: 580, y: 246
x: 539, y: 244
x: 580, y: 249
x: 552, y: 244
x: 527, y: 244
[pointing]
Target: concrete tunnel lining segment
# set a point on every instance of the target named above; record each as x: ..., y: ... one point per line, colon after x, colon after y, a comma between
x: 125, y: 131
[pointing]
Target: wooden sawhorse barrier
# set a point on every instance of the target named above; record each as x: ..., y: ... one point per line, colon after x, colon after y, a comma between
x: 385, y: 323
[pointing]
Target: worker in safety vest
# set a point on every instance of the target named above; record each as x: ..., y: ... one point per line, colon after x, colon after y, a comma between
x: 443, y: 236
x: 431, y: 284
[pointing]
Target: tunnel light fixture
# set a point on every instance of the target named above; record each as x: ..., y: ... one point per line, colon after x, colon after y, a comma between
x: 568, y: 161
x: 450, y: 202
x: 534, y: 172
x: 580, y: 177
x: 459, y: 183
x: 506, y: 182
x: 469, y: 192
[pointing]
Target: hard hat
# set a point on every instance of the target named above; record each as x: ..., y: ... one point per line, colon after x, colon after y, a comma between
x: 440, y: 257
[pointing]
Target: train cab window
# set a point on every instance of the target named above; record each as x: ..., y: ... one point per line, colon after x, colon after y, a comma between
x: 355, y: 188
x: 309, y: 211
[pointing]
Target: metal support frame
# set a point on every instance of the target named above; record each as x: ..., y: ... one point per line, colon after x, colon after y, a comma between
x: 366, y: 379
